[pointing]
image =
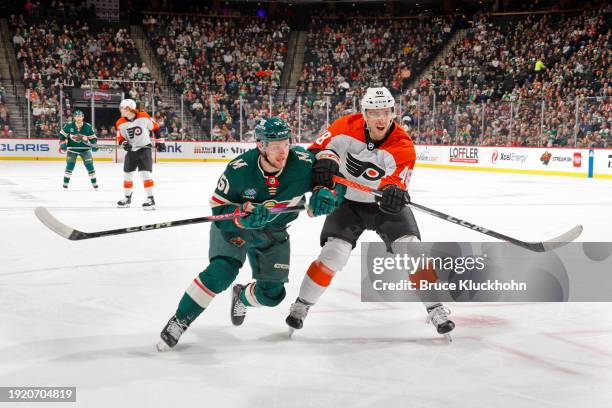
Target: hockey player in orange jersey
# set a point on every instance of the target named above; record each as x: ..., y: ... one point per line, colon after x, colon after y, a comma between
x: 134, y: 131
x: 370, y: 148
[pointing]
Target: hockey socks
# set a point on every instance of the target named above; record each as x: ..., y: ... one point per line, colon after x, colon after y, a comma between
x: 194, y: 301
x: 70, y: 163
x: 147, y: 182
x: 92, y: 172
x: 317, y: 279
x: 263, y: 293
x: 217, y: 277
x: 128, y: 184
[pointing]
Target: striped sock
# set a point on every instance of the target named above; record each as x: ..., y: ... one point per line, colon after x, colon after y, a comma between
x: 67, y: 175
x: 248, y: 297
x: 317, y: 279
x: 194, y: 301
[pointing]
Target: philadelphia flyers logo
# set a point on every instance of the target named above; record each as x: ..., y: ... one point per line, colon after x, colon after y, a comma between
x: 134, y: 131
x: 358, y: 168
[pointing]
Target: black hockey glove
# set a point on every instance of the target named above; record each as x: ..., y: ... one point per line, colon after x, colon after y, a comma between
x: 126, y: 146
x: 326, y: 166
x: 393, y: 199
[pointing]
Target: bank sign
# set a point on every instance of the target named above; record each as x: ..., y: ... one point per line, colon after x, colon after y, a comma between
x: 202, y: 151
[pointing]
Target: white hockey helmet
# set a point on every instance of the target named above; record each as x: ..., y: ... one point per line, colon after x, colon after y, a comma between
x: 377, y: 98
x: 128, y: 104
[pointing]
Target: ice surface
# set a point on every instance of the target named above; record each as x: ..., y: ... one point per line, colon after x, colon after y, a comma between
x: 88, y: 313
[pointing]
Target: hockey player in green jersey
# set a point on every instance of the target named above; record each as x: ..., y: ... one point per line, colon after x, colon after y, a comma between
x: 78, y: 138
x: 274, y: 174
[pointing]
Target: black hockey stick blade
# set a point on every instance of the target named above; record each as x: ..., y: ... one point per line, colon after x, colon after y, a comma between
x: 543, y: 246
x: 72, y: 234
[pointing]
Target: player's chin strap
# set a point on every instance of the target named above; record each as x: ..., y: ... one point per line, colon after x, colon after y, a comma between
x: 541, y: 246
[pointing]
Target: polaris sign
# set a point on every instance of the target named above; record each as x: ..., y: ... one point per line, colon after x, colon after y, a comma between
x: 24, y: 147
x: 47, y: 149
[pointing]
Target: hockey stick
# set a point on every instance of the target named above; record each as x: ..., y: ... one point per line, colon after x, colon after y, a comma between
x: 99, y: 146
x: 542, y: 246
x: 72, y: 234
x: 104, y: 146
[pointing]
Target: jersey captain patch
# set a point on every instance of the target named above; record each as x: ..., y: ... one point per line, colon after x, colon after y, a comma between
x: 358, y: 168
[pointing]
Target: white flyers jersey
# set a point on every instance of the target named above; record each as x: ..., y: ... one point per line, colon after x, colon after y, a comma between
x: 137, y: 131
x: 373, y: 163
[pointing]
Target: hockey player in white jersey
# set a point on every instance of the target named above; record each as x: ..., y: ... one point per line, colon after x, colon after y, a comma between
x: 134, y: 131
x: 371, y: 149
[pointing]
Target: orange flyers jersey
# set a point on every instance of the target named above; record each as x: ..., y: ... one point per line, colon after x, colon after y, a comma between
x: 373, y: 163
x: 137, y: 131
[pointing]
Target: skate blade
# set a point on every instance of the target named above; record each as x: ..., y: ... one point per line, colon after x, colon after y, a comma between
x: 448, y: 338
x: 162, y: 347
x: 123, y: 206
x: 291, y: 331
x: 150, y: 208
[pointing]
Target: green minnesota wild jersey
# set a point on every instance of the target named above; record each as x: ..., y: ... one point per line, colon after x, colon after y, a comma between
x: 83, y: 137
x: 244, y: 180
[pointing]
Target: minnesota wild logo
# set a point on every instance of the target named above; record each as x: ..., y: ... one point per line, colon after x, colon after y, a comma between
x: 275, y: 204
x: 238, y: 241
x: 272, y: 181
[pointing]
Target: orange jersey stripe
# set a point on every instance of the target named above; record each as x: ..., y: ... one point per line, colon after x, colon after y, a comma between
x: 320, y: 274
x: 398, y: 145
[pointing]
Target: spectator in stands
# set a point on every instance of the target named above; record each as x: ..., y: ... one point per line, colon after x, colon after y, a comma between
x: 4, y: 116
x: 222, y: 58
x: 55, y: 54
x: 343, y: 58
x: 6, y: 131
x: 535, y: 62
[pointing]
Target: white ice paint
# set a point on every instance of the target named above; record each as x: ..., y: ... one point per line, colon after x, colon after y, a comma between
x: 88, y: 313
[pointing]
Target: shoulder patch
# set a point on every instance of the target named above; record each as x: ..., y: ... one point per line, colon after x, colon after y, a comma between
x: 238, y: 163
x: 304, y: 156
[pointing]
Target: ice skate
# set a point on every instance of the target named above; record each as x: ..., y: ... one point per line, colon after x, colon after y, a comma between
x: 95, y: 187
x: 149, y: 204
x: 125, y: 202
x: 438, y: 316
x: 171, y: 334
x: 65, y: 185
x: 238, y: 309
x: 297, y: 314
